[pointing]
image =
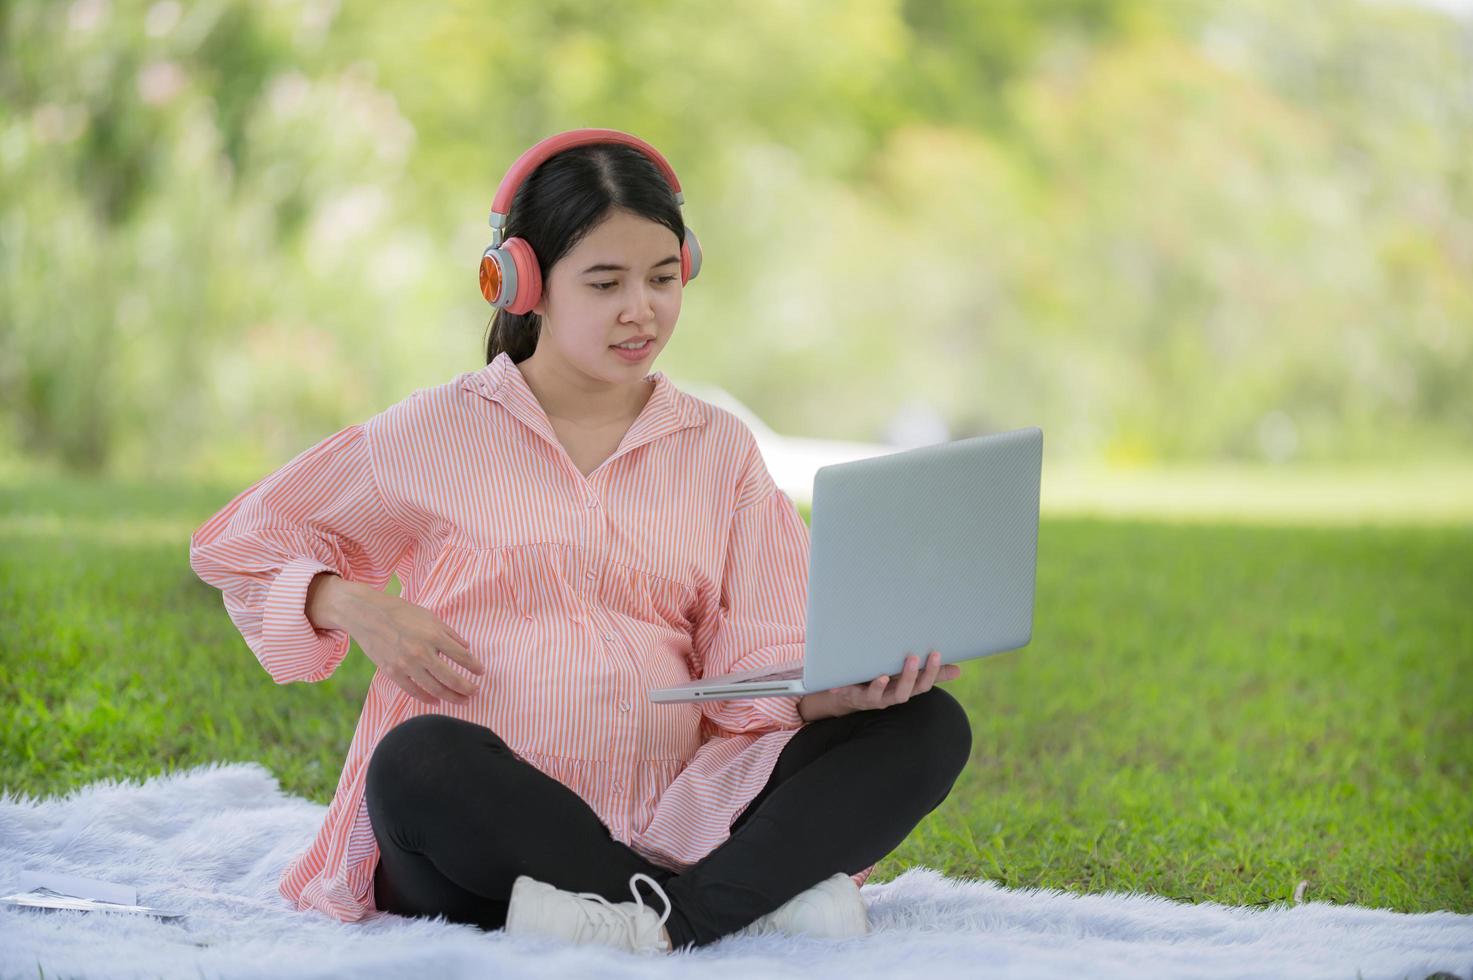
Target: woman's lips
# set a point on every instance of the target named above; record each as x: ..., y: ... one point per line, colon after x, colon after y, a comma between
x: 638, y: 354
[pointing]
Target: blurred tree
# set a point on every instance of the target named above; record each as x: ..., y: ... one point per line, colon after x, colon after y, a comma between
x: 1182, y: 230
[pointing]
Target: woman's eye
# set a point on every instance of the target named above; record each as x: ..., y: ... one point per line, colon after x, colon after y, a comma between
x: 605, y: 286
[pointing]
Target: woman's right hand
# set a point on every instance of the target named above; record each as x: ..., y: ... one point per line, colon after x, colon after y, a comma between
x: 405, y: 640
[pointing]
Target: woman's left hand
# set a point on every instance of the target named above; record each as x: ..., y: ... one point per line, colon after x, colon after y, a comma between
x: 881, y: 692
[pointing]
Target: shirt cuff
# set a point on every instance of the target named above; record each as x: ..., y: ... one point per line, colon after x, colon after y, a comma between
x: 289, y: 636
x: 782, y: 712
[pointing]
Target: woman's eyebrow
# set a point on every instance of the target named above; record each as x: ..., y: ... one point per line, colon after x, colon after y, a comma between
x: 609, y: 267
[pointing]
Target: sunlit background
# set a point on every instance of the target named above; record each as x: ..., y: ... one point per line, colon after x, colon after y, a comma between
x: 1222, y: 253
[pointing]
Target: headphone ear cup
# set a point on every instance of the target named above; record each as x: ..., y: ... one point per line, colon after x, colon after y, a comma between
x: 494, y: 273
x: 528, y: 276
x: 690, y: 256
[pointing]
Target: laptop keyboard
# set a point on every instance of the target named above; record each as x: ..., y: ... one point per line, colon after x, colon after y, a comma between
x: 788, y: 674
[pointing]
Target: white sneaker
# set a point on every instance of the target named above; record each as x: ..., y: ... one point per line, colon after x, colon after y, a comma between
x: 539, y: 909
x: 832, y: 909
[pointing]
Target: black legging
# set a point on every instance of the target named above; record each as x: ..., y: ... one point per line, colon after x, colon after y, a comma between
x: 458, y: 816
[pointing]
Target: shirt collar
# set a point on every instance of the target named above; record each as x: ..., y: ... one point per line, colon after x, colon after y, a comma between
x: 668, y: 409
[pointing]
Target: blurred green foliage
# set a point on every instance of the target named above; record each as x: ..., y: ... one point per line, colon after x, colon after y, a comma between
x: 1162, y: 231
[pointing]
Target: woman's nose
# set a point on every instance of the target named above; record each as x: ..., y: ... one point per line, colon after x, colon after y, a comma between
x: 640, y: 305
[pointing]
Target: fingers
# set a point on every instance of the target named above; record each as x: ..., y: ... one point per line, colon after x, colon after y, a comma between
x: 414, y: 690
x: 911, y: 680
x: 441, y: 682
x: 436, y: 676
x: 880, y: 693
x: 423, y: 687
x: 907, y: 681
x: 459, y: 650
x: 933, y: 669
x: 445, y: 683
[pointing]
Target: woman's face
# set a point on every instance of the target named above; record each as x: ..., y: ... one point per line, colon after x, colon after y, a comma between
x: 620, y: 282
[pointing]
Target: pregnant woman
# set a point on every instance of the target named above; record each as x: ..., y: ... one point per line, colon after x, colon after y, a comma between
x: 572, y: 531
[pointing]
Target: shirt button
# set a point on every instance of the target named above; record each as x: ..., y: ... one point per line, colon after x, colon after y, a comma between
x: 527, y: 617
x: 623, y: 705
x: 608, y: 636
x: 590, y: 574
x: 593, y: 503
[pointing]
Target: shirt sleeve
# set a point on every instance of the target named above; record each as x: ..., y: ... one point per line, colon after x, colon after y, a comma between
x: 321, y: 512
x: 761, y: 618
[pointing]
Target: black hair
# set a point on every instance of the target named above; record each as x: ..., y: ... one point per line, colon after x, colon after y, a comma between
x: 560, y: 202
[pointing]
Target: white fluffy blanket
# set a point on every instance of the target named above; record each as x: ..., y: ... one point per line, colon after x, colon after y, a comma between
x: 211, y: 842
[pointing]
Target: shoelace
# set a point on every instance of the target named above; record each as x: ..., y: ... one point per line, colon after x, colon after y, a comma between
x: 616, y: 917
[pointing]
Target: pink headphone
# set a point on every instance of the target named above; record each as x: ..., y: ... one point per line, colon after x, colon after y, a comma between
x: 510, y: 276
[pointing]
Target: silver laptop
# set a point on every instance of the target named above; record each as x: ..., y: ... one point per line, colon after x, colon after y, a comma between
x: 934, y: 548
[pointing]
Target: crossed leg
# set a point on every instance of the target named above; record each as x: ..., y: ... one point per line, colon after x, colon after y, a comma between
x: 458, y: 816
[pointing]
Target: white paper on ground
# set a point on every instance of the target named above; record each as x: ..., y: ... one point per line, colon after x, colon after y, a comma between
x: 45, y: 898
x: 78, y: 887
x: 54, y: 890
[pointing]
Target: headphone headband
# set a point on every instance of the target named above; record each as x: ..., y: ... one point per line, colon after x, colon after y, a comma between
x: 510, y: 273
x: 553, y: 145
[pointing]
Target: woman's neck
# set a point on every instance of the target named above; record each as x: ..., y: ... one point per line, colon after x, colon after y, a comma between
x: 567, y: 398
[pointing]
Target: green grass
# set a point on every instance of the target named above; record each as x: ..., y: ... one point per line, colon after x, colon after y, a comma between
x: 1206, y: 712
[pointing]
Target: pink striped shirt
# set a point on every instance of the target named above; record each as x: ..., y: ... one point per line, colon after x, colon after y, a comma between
x: 677, y: 557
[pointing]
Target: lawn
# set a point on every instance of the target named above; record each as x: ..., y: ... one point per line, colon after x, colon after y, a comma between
x: 1207, y: 711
